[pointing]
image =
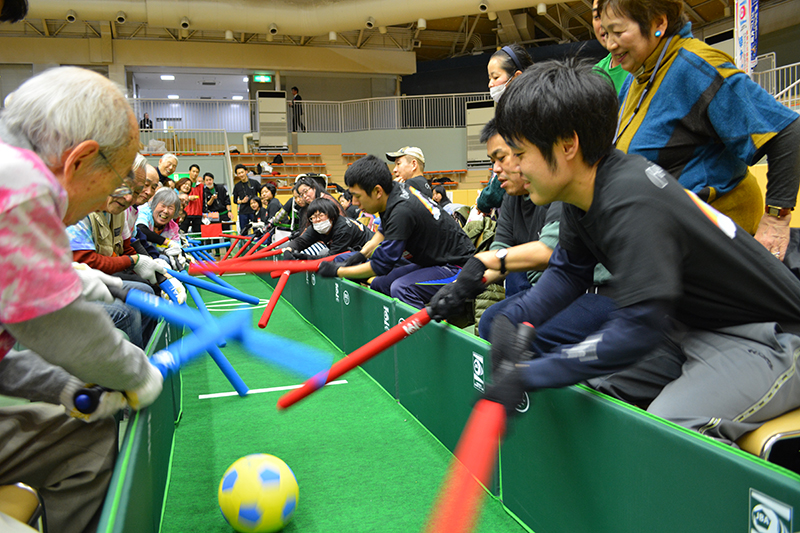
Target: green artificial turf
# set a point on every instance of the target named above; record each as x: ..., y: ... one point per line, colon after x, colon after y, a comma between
x: 362, y: 462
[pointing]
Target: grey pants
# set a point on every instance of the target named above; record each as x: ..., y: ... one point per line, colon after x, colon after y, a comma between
x: 721, y: 383
x: 68, y: 461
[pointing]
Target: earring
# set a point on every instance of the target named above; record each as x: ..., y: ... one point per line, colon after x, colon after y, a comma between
x: 658, y: 33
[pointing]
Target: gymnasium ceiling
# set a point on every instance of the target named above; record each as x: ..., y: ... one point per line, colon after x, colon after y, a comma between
x: 450, y: 28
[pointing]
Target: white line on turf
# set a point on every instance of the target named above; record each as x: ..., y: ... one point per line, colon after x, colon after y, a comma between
x: 261, y: 391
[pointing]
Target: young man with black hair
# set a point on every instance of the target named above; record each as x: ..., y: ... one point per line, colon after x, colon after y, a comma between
x: 244, y: 189
x: 418, y: 241
x: 707, y: 319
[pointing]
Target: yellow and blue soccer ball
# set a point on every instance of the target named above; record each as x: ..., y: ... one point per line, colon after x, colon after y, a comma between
x: 258, y: 494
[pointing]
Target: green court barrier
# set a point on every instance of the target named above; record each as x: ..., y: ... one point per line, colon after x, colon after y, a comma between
x: 575, y: 460
x: 440, y: 374
x: 136, y: 493
x: 578, y: 461
x: 367, y: 314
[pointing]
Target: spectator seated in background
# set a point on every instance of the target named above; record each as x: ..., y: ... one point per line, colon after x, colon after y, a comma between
x: 156, y: 225
x: 193, y: 210
x: 409, y: 165
x: 346, y: 201
x: 439, y: 196
x: 412, y: 227
x: 258, y: 224
x: 268, y: 200
x: 244, y: 189
x: 166, y: 167
x: 67, y: 136
x: 458, y: 211
x: 328, y: 226
x: 97, y: 241
x: 215, y: 199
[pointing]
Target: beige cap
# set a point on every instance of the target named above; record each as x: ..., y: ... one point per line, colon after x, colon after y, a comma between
x: 413, y: 151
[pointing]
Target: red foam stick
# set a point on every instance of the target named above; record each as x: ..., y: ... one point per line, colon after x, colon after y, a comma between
x: 459, y: 502
x: 259, y: 267
x: 252, y: 250
x: 276, y: 244
x: 233, y: 245
x: 273, y: 299
x: 361, y: 355
x: 243, y: 247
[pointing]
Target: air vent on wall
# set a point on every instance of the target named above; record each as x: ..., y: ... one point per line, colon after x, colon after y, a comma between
x: 208, y: 83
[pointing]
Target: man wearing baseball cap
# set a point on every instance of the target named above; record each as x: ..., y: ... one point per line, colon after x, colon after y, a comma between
x: 409, y: 163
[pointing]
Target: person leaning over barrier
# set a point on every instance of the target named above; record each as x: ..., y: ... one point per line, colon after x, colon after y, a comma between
x: 707, y: 320
x: 420, y: 245
x: 67, y: 138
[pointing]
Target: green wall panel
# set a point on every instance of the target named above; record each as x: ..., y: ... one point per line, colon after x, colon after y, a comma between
x: 367, y: 314
x: 439, y: 375
x: 577, y: 461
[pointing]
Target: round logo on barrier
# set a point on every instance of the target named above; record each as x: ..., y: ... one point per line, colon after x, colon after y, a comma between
x: 346, y: 297
x: 524, y: 404
x: 313, y: 279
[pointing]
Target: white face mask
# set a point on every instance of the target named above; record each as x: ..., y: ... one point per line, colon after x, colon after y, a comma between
x: 322, y: 227
x: 497, y: 91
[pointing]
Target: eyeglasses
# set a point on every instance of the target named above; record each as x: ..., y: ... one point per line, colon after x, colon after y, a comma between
x: 127, y: 183
x: 318, y: 217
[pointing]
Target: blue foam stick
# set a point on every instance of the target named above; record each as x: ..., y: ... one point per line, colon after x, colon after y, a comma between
x: 216, y: 279
x: 294, y: 356
x: 194, y: 241
x: 222, y: 362
x: 206, y: 247
x: 211, y: 287
x: 206, y: 256
x: 199, y: 342
x: 201, y: 306
x: 160, y: 308
x: 444, y: 281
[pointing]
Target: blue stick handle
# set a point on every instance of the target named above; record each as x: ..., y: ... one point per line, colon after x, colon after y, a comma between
x: 222, y: 362
x: 211, y: 287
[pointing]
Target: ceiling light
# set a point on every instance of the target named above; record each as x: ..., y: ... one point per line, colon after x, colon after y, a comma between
x: 541, y: 9
x: 245, y: 79
x: 228, y: 35
x: 332, y: 36
x: 167, y: 77
x: 421, y: 24
x: 173, y: 96
x: 237, y: 97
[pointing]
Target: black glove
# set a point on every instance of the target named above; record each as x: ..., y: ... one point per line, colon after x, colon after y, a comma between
x: 355, y: 259
x: 328, y: 269
x: 288, y: 255
x: 450, y: 298
x: 511, y: 345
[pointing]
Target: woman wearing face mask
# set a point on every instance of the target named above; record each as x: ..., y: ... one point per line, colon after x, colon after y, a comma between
x: 504, y: 65
x: 329, y: 227
x: 688, y: 109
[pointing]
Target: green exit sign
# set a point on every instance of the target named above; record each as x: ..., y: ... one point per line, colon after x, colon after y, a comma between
x: 262, y: 78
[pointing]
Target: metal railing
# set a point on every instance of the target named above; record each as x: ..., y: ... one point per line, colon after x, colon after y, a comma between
x: 783, y: 83
x: 180, y: 141
x: 395, y: 112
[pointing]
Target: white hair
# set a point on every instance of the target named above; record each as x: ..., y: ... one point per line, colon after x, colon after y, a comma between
x: 65, y: 106
x: 167, y: 157
x: 166, y: 196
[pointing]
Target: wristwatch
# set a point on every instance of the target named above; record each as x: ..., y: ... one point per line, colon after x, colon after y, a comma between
x: 778, y: 212
x: 501, y: 255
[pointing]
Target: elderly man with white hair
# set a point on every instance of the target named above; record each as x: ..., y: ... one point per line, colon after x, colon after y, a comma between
x: 67, y: 138
x: 166, y: 167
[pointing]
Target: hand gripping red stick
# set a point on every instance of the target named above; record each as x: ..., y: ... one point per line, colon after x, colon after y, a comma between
x: 273, y: 299
x: 359, y: 356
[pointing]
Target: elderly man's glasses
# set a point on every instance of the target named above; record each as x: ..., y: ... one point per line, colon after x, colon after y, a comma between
x: 127, y: 182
